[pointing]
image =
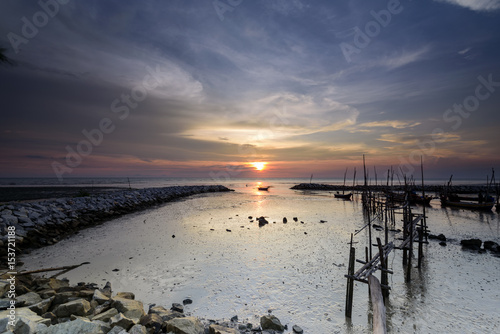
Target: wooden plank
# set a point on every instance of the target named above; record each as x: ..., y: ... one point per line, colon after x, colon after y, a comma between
x: 379, y: 317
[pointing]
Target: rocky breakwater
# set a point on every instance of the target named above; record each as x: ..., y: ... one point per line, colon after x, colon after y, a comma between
x: 52, y: 306
x: 460, y: 189
x: 46, y: 222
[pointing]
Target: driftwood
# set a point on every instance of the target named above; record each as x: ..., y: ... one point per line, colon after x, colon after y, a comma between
x: 64, y: 269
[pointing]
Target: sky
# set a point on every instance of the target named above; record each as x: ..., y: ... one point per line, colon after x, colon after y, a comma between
x: 191, y: 88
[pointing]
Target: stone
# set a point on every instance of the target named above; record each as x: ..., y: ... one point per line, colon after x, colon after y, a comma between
x: 4, y: 303
x: 100, y: 297
x: 57, y: 284
x: 138, y: 329
x: 78, y: 326
x: 51, y: 316
x: 122, y: 321
x: 297, y: 329
x: 187, y: 301
x: 47, y: 293
x: 29, y: 298
x: 262, y: 221
x: 64, y: 297
x: 216, y: 329
x: 27, y: 321
x: 25, y: 222
x: 472, y: 244
x: 285, y: 220
x: 442, y: 243
x: 4, y: 287
x: 106, y: 290
x: 79, y: 307
x: 9, y: 219
x: 491, y: 246
x: 271, y: 322
x: 130, y: 308
x: 176, y: 307
x: 187, y: 325
x: 117, y: 330
x: 126, y: 295
x: 105, y: 316
x: 152, y: 320
x: 440, y: 237
x: 165, y: 314
x: 42, y: 307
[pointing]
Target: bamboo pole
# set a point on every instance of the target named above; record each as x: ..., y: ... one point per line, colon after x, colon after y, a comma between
x: 350, y: 282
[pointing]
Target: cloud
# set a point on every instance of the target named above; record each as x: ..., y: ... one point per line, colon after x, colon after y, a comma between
x: 476, y: 5
x: 390, y: 124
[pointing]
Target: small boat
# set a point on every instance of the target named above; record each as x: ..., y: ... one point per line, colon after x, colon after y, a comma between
x: 344, y: 196
x: 263, y: 188
x: 457, y: 203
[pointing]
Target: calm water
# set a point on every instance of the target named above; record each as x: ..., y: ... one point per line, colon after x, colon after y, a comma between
x: 296, y: 270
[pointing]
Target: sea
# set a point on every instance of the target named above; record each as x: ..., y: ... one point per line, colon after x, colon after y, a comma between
x: 209, y: 248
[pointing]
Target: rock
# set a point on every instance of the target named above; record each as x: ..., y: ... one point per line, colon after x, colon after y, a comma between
x: 473, y: 244
x: 79, y: 307
x: 78, y: 326
x: 322, y: 221
x: 100, y: 297
x: 105, y: 316
x: 297, y: 329
x: 262, y: 221
x: 152, y: 320
x: 440, y: 237
x: 228, y: 230
x: 216, y: 329
x: 295, y: 219
x: 27, y: 321
x: 64, y: 297
x: 122, y: 321
x: 132, y: 309
x: 187, y: 301
x: 29, y: 298
x: 271, y: 322
x: 234, y: 319
x: 285, y: 220
x: 42, y: 307
x: 126, y: 295
x: 4, y: 287
x: 25, y: 222
x: 492, y: 246
x: 117, y: 330
x: 4, y: 303
x: 187, y: 325
x: 138, y: 329
x: 176, y: 307
x: 106, y: 290
x: 56, y: 284
x: 442, y: 243
x: 165, y: 314
x: 9, y: 219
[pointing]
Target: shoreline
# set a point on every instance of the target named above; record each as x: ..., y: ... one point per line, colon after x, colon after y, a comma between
x: 43, y: 223
x: 462, y: 189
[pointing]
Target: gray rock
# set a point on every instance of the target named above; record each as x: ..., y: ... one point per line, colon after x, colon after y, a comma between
x: 473, y: 244
x: 187, y: 325
x: 126, y: 295
x: 165, y: 314
x: 42, y: 307
x: 122, y: 321
x: 9, y: 219
x: 138, y: 329
x: 26, y: 321
x: 297, y: 329
x: 117, y: 330
x: 271, y: 322
x: 216, y: 329
x: 100, y: 297
x: 176, y: 307
x: 78, y: 326
x: 105, y: 316
x: 79, y: 307
x: 29, y: 298
x: 132, y: 309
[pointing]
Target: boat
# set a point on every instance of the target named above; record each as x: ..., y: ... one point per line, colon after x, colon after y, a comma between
x: 457, y: 203
x: 343, y: 196
x: 263, y: 188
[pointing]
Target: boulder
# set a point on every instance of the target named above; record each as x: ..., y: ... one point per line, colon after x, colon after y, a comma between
x: 187, y: 325
x: 138, y: 329
x: 271, y: 322
x: 27, y: 321
x: 78, y: 326
x: 165, y: 314
x: 297, y: 329
x: 492, y: 246
x: 29, y: 298
x: 42, y: 307
x: 79, y: 307
x: 132, y: 309
x: 176, y: 307
x: 473, y: 244
x: 216, y: 329
x: 105, y: 316
x: 117, y: 330
x: 152, y: 320
x: 122, y: 321
x: 100, y: 297
x: 126, y: 295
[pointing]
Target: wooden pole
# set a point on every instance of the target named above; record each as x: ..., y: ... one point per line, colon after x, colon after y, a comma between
x: 379, y: 318
x: 350, y: 282
x: 67, y: 268
x: 420, y: 246
x: 383, y: 264
x: 423, y: 198
x: 410, y: 250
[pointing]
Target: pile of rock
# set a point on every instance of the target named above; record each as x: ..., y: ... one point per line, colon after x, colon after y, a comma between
x: 46, y: 222
x: 475, y: 244
x: 52, y: 306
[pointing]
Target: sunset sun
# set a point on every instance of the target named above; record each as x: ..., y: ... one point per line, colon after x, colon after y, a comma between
x: 259, y: 165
